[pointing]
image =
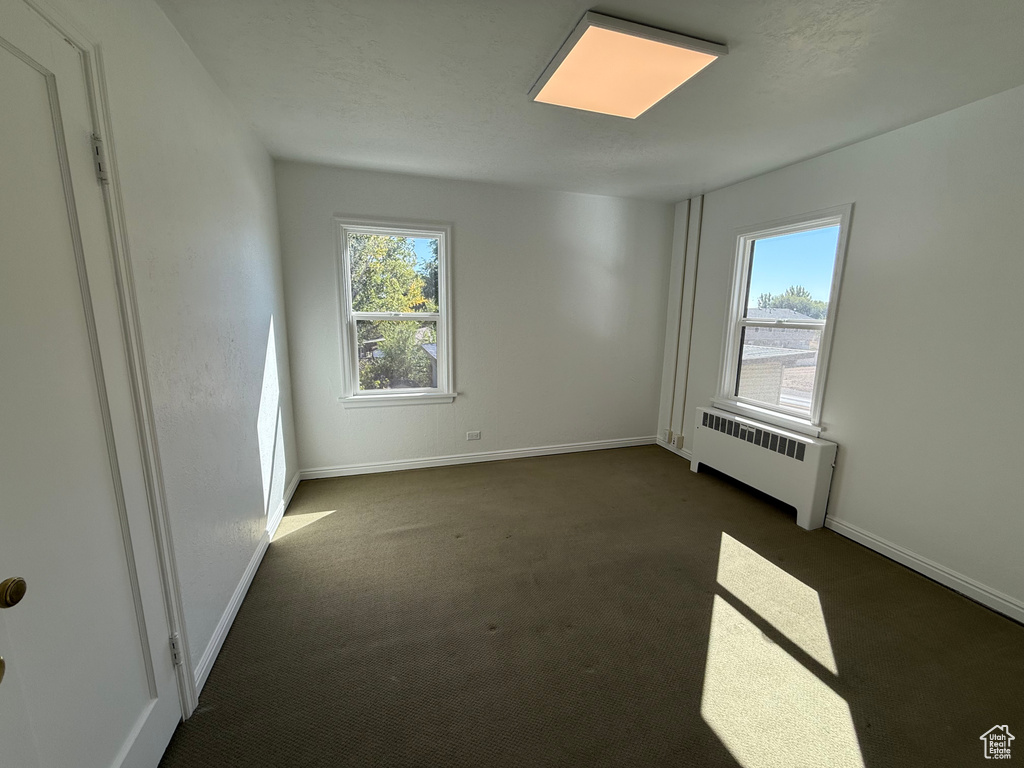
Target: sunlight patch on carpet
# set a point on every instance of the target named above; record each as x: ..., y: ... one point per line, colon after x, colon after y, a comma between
x: 782, y: 600
x: 768, y: 708
x: 293, y: 523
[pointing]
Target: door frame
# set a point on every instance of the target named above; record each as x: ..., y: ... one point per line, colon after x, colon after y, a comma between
x: 131, y: 333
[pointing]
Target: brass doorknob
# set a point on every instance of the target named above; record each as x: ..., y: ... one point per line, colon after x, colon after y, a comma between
x: 11, y: 591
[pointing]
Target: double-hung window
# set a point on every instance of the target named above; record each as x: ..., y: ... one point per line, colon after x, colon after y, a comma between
x: 784, y: 296
x: 395, y: 312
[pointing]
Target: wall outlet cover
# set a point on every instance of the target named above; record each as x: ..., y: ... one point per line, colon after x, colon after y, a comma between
x: 473, y: 435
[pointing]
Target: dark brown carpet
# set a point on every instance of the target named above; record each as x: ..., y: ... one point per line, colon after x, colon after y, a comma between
x: 557, y: 611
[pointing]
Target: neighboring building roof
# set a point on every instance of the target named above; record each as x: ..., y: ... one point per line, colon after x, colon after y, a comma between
x: 780, y: 336
x: 752, y: 352
x: 430, y: 349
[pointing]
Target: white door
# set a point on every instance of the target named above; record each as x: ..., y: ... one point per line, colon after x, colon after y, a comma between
x: 16, y: 740
x: 89, y: 682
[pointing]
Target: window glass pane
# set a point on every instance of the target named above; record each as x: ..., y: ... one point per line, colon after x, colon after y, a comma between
x: 791, y: 275
x: 397, y: 354
x: 778, y: 366
x: 391, y: 273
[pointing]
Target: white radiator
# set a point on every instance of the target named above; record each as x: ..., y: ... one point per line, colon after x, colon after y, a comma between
x: 791, y: 467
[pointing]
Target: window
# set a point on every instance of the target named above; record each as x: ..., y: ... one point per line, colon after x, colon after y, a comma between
x: 395, y: 312
x: 785, y: 291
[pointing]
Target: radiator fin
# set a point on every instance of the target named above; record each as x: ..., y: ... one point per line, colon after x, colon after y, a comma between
x: 793, y: 449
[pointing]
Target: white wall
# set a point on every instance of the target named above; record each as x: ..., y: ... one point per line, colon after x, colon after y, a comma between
x: 924, y: 390
x: 199, y: 196
x: 559, y: 315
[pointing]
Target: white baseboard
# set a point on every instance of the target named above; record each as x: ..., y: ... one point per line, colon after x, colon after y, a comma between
x: 677, y: 451
x: 997, y: 601
x: 209, y: 656
x: 205, y: 664
x: 470, y: 458
x: 274, y: 520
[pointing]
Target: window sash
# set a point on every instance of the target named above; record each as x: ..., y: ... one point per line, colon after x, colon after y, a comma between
x: 349, y: 317
x: 736, y: 321
x: 396, y: 316
x: 799, y: 325
x: 393, y: 392
x: 783, y: 409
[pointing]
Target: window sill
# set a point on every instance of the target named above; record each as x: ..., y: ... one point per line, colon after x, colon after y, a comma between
x: 803, y: 426
x: 411, y: 398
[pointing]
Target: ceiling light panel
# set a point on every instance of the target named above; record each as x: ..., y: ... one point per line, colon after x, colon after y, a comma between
x: 620, y: 68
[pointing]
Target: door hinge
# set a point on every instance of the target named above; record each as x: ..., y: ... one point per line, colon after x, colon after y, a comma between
x: 99, y: 158
x: 176, y: 649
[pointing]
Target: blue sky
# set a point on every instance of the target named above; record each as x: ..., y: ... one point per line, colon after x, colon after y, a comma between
x: 803, y: 258
x: 421, y: 245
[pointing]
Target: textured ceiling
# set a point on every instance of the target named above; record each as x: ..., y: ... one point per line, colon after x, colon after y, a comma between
x: 439, y: 87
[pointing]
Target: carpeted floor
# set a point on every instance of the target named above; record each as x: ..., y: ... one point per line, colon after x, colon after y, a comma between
x: 593, y: 609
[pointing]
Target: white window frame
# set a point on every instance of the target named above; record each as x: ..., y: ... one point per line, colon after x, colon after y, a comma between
x: 444, y: 392
x: 735, y: 322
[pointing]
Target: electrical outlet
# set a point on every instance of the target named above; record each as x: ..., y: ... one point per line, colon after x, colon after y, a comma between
x: 475, y: 435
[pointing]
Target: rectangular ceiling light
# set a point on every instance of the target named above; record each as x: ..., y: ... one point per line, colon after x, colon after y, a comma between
x: 620, y: 68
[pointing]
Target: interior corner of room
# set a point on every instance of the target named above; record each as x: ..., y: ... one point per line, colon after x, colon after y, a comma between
x: 204, y: 340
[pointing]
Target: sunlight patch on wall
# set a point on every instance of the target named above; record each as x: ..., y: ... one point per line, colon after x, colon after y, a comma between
x: 293, y: 523
x: 268, y: 420
x: 782, y: 600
